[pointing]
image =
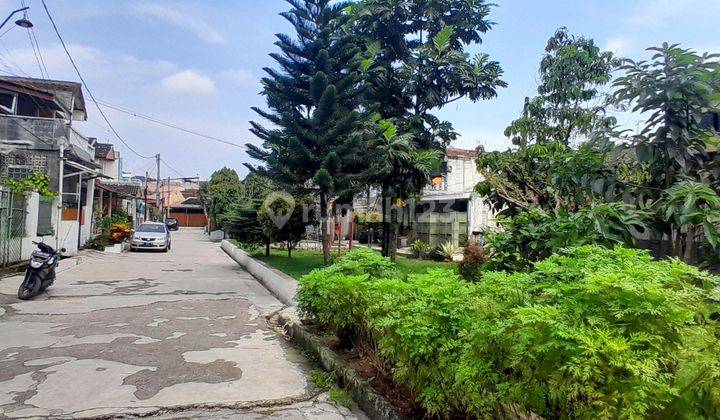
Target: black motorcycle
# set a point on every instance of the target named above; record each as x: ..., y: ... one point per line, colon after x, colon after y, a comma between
x: 40, y: 273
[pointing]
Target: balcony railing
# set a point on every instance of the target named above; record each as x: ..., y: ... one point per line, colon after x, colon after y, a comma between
x: 43, y: 133
x: 32, y: 131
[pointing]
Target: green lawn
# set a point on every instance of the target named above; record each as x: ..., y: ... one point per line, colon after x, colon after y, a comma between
x: 304, y: 260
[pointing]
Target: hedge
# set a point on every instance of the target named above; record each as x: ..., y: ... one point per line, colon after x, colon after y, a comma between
x: 590, y: 332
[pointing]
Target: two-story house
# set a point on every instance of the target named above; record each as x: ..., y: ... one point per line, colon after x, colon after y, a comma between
x: 37, y: 135
x: 450, y: 210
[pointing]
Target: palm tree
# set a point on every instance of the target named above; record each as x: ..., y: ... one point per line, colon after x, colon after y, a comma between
x: 401, y: 170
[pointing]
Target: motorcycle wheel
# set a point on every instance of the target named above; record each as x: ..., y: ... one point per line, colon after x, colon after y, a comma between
x: 29, y: 288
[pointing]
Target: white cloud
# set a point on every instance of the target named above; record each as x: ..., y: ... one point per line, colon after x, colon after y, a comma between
x: 191, y: 23
x: 617, y: 45
x: 188, y: 81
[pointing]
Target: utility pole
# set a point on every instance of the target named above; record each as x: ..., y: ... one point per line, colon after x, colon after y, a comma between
x: 168, y: 200
x: 157, y: 184
x: 146, y: 200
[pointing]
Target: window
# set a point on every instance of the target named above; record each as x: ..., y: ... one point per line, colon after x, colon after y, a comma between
x: 18, y: 171
x: 44, y: 227
x: 8, y: 102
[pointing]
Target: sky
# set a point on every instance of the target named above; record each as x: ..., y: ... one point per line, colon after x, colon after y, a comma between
x: 197, y: 64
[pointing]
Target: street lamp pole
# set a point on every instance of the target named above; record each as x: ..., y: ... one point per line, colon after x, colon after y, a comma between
x: 22, y: 22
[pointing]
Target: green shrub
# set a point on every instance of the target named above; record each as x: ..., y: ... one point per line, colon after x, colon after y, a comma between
x: 534, y: 234
x: 336, y: 296
x: 419, y: 248
x: 597, y: 332
x: 590, y: 332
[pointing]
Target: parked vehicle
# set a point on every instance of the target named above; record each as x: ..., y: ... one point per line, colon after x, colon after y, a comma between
x: 172, y: 223
x: 151, y: 235
x: 40, y: 272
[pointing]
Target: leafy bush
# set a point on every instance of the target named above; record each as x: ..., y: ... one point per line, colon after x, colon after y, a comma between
x: 474, y: 257
x: 591, y: 332
x: 335, y: 296
x: 532, y: 235
x: 419, y: 248
x: 446, y: 251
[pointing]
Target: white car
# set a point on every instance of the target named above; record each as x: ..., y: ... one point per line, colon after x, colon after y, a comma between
x: 151, y: 235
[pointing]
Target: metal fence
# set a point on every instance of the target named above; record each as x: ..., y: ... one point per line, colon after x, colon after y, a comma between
x: 12, y: 227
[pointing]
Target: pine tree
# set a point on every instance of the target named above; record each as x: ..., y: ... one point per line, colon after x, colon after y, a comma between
x: 313, y: 101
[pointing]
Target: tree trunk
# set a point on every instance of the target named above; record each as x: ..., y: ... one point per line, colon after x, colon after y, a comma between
x: 689, y: 255
x: 392, y: 241
x: 267, y: 247
x: 385, y: 224
x: 324, y: 237
x: 677, y: 242
x: 289, y: 249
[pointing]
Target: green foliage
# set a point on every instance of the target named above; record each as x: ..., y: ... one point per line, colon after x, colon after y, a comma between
x: 322, y: 379
x: 571, y: 74
x: 106, y: 222
x: 220, y: 193
x: 676, y: 88
x: 552, y: 176
x: 534, y: 234
x: 284, y: 219
x: 240, y: 221
x: 419, y: 248
x: 35, y: 181
x: 591, y: 332
x: 340, y: 396
x: 694, y: 207
x: 446, y: 251
x: 333, y: 295
x: 594, y: 332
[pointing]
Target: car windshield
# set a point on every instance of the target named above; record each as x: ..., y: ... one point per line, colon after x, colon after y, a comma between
x: 170, y: 220
x: 151, y: 228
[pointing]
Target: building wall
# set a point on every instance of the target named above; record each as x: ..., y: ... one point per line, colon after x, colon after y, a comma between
x: 459, y: 183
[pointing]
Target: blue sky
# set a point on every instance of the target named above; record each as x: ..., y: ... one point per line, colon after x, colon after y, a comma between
x: 198, y: 63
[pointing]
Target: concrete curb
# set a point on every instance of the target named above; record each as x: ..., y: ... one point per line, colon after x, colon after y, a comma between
x: 373, y: 404
x: 282, y: 286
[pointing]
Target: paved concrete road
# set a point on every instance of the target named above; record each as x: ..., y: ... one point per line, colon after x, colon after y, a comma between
x: 181, y: 334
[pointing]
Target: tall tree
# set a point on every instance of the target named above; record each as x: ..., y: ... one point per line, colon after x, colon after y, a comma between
x: 676, y: 88
x: 415, y: 62
x: 569, y: 102
x: 218, y: 194
x: 313, y: 101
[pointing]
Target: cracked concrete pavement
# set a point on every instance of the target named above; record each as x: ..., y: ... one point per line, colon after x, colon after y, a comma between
x: 177, y: 335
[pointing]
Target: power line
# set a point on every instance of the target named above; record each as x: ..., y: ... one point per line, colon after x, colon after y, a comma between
x: 87, y: 88
x: 170, y: 167
x: 169, y: 124
x: 42, y: 60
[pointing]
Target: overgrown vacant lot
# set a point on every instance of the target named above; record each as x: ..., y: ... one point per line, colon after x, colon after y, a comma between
x: 304, y: 261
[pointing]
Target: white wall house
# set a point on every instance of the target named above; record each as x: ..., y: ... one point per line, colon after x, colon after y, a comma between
x: 450, y: 208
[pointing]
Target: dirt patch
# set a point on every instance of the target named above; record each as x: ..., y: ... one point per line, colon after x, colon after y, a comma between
x: 366, y: 365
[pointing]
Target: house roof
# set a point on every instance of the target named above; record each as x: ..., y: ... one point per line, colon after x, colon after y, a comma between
x: 460, y: 153
x: 122, y: 188
x: 103, y: 150
x: 60, y: 91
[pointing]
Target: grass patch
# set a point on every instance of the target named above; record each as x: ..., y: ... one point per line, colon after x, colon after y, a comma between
x: 321, y: 379
x: 339, y: 396
x: 304, y: 261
